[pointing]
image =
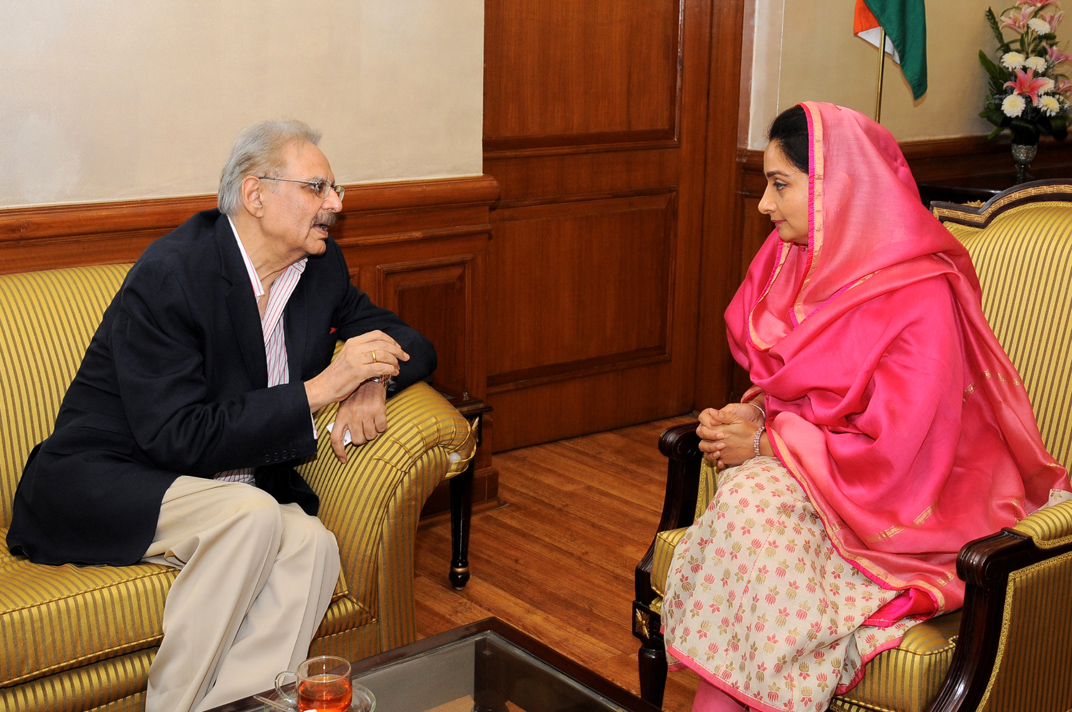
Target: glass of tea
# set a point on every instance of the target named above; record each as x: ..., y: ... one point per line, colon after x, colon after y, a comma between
x: 322, y: 685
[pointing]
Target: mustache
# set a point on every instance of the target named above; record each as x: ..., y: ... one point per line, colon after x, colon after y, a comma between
x: 326, y: 218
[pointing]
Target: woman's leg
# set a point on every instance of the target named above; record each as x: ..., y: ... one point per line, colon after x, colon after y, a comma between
x: 711, y: 699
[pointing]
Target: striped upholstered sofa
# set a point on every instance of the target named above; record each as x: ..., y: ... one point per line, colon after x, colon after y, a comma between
x: 1010, y: 647
x: 82, y: 638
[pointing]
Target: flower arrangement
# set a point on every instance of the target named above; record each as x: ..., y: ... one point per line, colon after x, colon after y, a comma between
x: 1028, y: 93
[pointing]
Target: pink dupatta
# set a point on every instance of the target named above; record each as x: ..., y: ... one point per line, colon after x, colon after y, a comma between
x: 888, y: 397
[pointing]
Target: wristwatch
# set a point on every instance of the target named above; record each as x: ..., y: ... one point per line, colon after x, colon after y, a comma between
x: 382, y: 380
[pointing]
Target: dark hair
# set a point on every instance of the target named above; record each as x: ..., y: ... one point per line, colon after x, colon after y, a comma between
x: 790, y: 130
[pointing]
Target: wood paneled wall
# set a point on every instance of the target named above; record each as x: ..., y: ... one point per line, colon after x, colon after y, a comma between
x: 596, y: 126
x: 418, y: 248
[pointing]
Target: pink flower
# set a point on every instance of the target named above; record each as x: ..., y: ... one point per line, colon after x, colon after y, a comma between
x: 1056, y: 56
x: 1053, y: 19
x: 1026, y: 84
x: 1064, y: 86
x: 1016, y: 22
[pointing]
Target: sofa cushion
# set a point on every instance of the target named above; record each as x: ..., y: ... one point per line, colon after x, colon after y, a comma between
x: 54, y: 618
x: 661, y: 558
x: 50, y: 616
x: 908, y: 677
x: 46, y: 322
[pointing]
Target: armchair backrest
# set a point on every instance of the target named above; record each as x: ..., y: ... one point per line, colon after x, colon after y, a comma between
x: 1021, y: 244
x: 46, y: 322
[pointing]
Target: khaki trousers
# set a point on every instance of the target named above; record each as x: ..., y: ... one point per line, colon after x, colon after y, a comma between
x: 256, y: 580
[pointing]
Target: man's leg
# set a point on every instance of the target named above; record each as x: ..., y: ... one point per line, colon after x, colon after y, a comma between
x: 278, y: 628
x: 226, y: 537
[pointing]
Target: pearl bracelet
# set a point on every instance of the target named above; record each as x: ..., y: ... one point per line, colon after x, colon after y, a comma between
x: 756, y: 437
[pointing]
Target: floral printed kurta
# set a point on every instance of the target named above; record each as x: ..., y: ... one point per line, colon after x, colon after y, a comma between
x: 761, y: 605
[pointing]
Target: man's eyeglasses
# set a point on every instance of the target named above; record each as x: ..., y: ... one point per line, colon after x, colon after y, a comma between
x: 320, y: 187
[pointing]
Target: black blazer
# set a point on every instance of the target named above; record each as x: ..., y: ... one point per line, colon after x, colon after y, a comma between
x: 174, y: 383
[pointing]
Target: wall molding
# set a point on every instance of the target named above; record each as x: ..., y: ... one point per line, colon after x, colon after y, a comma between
x: 948, y: 160
x: 69, y: 235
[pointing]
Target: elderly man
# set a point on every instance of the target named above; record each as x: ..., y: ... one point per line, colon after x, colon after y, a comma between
x: 176, y: 441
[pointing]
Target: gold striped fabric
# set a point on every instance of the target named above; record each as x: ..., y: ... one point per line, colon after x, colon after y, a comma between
x: 908, y: 677
x: 1033, y: 670
x: 53, y: 618
x: 46, y: 322
x: 115, y: 685
x: 1050, y: 527
x: 356, y: 497
x: 662, y: 556
x: 1024, y: 261
x: 708, y: 486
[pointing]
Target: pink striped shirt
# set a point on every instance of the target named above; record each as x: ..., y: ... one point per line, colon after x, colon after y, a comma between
x: 275, y: 346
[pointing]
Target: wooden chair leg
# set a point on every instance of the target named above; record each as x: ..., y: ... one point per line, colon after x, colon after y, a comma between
x: 461, y: 513
x: 652, y: 661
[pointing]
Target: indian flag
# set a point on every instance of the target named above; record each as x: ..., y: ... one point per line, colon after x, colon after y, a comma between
x: 905, y: 22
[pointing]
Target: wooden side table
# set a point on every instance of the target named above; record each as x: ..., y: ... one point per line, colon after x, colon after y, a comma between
x: 461, y: 497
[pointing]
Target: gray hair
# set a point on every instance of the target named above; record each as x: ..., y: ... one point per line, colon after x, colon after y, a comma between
x: 258, y: 150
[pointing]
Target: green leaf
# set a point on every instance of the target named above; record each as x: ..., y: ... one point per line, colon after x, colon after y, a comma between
x: 1024, y: 132
x: 996, y: 117
x: 992, y: 69
x: 1059, y: 127
x: 996, y: 131
x: 993, y: 22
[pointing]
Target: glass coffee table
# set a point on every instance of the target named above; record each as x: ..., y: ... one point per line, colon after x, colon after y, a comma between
x: 487, y: 666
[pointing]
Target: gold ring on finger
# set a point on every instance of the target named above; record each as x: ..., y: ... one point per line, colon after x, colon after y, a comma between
x: 374, y: 356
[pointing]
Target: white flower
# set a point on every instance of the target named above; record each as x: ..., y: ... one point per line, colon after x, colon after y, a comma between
x: 1040, y: 26
x: 1013, y: 60
x: 1047, y: 85
x: 1013, y: 105
x: 1049, y: 105
x: 1036, y: 63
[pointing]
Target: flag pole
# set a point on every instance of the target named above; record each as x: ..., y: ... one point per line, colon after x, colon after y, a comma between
x: 881, y: 72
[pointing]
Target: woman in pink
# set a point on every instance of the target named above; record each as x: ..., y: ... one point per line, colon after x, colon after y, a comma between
x: 885, y: 429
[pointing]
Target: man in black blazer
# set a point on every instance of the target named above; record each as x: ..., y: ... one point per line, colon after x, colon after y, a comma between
x: 177, y: 439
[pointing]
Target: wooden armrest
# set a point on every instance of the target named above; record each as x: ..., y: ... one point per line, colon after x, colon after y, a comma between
x: 682, y: 446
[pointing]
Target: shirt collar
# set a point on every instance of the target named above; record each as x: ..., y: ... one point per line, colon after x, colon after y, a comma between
x: 254, y: 280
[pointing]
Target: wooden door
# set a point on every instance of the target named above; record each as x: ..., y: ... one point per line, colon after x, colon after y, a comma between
x: 595, y: 117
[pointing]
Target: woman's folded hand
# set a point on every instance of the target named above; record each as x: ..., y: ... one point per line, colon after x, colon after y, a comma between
x: 726, y: 434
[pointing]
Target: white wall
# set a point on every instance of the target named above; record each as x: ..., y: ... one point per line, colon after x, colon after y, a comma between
x: 805, y: 50
x: 124, y: 99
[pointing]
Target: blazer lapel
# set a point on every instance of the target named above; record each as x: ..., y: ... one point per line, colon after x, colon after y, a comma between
x: 242, y: 305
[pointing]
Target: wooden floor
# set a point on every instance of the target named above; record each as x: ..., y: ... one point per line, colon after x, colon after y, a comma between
x: 557, y: 559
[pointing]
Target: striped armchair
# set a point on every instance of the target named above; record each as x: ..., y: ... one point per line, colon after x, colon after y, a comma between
x: 1010, y: 647
x: 82, y: 638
